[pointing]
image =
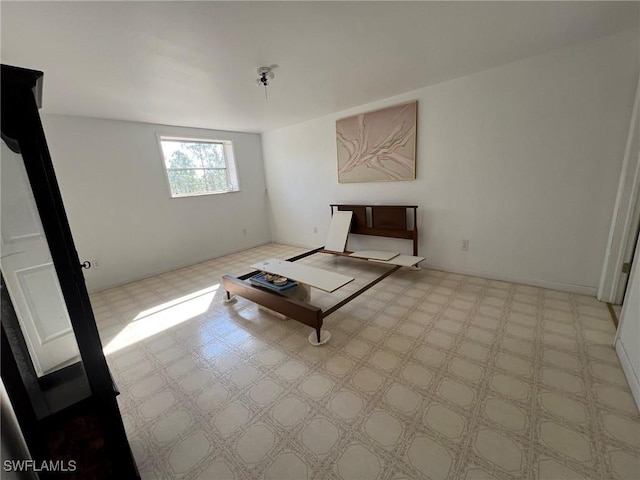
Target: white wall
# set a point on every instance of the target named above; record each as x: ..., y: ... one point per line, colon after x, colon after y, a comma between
x: 117, y: 199
x: 628, y: 335
x: 523, y: 160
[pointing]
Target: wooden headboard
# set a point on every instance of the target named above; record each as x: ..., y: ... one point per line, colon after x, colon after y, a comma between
x: 383, y: 221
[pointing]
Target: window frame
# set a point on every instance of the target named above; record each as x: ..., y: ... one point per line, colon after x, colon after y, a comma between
x: 229, y: 160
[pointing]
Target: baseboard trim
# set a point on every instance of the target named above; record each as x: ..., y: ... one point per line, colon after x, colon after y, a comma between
x: 550, y: 284
x: 295, y: 244
x: 627, y: 368
x: 614, y: 317
x: 565, y: 287
x: 177, y: 266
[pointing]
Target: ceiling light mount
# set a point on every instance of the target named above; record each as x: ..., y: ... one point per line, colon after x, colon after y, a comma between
x: 264, y: 75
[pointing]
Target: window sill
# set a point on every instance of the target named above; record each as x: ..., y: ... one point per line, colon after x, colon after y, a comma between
x: 189, y: 195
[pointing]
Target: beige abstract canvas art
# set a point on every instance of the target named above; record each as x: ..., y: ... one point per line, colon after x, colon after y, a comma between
x: 378, y: 146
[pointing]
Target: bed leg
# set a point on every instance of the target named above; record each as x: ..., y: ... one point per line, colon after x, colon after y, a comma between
x: 319, y: 337
x: 416, y: 267
x: 229, y: 298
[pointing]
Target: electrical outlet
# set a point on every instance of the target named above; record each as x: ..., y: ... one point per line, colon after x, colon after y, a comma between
x: 244, y: 231
x: 315, y: 229
x: 96, y: 263
x: 464, y: 245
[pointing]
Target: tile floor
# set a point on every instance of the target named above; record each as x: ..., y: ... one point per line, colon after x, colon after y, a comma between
x: 427, y: 375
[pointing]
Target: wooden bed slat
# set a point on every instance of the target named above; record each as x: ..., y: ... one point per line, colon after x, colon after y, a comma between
x: 401, y: 260
x: 374, y: 254
x: 313, y: 276
x: 382, y: 232
x: 339, y: 231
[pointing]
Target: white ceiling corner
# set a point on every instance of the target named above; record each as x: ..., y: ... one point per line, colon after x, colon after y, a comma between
x: 194, y: 63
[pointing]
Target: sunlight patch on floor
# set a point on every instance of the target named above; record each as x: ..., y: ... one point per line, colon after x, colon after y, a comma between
x: 162, y: 317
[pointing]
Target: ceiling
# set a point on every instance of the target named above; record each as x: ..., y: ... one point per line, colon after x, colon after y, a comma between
x: 194, y: 63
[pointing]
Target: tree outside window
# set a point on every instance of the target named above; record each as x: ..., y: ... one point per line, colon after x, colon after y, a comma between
x: 198, y: 167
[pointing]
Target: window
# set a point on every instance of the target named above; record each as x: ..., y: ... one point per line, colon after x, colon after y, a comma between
x: 198, y: 166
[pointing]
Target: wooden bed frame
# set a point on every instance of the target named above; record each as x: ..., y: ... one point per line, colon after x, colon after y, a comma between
x: 383, y: 221
x: 378, y: 220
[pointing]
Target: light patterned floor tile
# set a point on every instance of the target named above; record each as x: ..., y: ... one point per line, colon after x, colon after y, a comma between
x: 383, y: 428
x: 346, y: 405
x: 428, y: 375
x: 320, y: 435
x: 289, y: 411
x: 499, y: 450
x: 429, y: 458
x: 358, y: 461
x: 566, y: 441
x: 445, y: 421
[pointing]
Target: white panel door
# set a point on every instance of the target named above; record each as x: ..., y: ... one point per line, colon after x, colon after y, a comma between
x: 29, y: 272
